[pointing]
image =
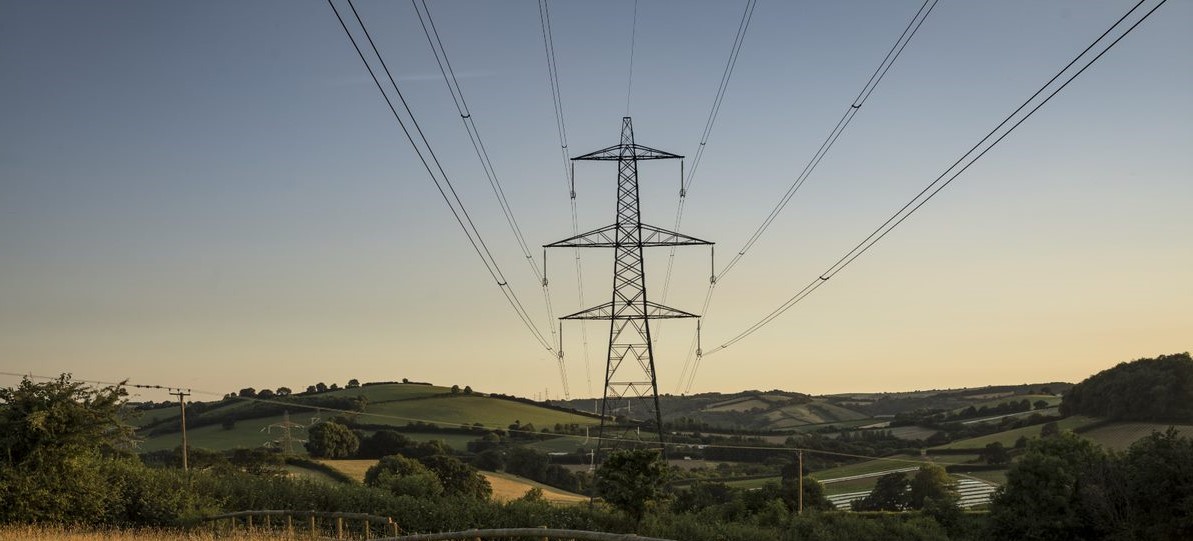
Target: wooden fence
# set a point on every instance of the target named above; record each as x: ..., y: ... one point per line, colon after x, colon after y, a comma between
x: 309, y: 524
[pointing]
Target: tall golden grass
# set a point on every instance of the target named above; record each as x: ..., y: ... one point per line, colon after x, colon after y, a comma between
x: 58, y: 533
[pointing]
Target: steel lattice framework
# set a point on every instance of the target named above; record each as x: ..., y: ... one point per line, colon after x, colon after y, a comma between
x: 630, y: 367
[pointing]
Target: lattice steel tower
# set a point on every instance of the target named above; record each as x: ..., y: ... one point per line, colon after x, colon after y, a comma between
x: 630, y: 368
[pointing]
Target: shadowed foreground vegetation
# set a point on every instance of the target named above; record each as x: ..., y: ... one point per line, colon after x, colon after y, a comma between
x: 67, y: 461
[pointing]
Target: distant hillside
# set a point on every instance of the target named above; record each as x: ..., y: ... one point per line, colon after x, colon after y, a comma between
x: 747, y: 410
x: 890, y: 404
x: 425, y: 411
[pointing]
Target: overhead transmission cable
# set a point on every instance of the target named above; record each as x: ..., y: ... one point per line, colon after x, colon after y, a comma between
x: 969, y: 158
x: 478, y: 145
x: 692, y: 361
x: 742, y: 26
x: 276, y: 401
x: 441, y: 180
x: 629, y: 87
x: 561, y: 129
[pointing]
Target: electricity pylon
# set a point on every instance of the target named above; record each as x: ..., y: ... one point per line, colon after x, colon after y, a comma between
x: 629, y: 312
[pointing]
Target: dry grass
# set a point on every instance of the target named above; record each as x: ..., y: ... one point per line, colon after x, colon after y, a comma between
x: 354, y: 468
x: 58, y: 533
x: 509, y: 487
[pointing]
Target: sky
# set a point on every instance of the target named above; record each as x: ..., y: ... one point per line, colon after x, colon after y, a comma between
x: 213, y: 195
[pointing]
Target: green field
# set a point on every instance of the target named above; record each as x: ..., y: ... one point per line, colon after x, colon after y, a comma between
x: 1009, y: 437
x: 246, y: 434
x: 1120, y: 436
x: 466, y: 410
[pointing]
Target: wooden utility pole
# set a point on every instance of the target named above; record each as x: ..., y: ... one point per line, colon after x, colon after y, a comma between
x: 800, y: 510
x: 182, y: 405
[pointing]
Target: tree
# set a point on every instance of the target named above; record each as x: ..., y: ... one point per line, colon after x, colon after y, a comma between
x: 1158, y: 475
x: 334, y: 387
x: 931, y: 482
x: 889, y: 494
x: 1050, y: 430
x: 458, y: 478
x: 352, y: 384
x: 1159, y: 389
x: 228, y: 423
x: 51, y: 437
x: 265, y: 393
x: 527, y: 462
x: 404, y: 476
x: 283, y: 391
x: 382, y: 443
x: 311, y: 389
x: 995, y: 453
x: 631, y: 480
x: 1041, y: 497
x: 467, y: 389
x: 320, y: 387
x: 1040, y: 404
x: 814, y: 497
x: 247, y: 392
x: 455, y: 389
x: 331, y: 440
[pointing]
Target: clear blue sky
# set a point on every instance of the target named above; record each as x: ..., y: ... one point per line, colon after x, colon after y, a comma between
x: 213, y: 194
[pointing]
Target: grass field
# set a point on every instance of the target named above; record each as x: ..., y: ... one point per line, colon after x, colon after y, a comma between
x: 354, y: 468
x: 246, y: 434
x: 868, y: 467
x: 505, y: 486
x: 1008, y: 438
x: 1120, y: 436
x: 508, y: 487
x: 466, y: 410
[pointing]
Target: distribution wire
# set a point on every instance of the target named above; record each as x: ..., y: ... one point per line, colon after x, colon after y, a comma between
x: 459, y: 212
x: 561, y: 129
x: 692, y: 360
x: 478, y: 145
x: 941, y: 182
x: 465, y: 425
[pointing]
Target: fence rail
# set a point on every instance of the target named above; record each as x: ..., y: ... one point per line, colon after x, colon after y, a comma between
x: 313, y: 522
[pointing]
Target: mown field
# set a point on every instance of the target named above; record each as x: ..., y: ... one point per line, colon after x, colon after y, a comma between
x: 1009, y: 437
x: 1120, y: 436
x: 466, y: 410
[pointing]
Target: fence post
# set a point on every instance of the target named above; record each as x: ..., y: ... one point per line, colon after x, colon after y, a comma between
x: 339, y: 527
x: 368, y: 534
x: 289, y: 526
x: 268, y: 524
x: 544, y: 537
x: 249, y: 523
x: 395, y: 526
x: 314, y: 530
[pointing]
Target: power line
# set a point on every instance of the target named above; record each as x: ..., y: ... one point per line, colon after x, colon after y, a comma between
x: 459, y: 212
x: 561, y: 129
x: 633, y: 41
x: 465, y: 425
x: 941, y: 182
x: 692, y: 360
x: 478, y: 145
x: 879, y: 73
x: 742, y: 26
